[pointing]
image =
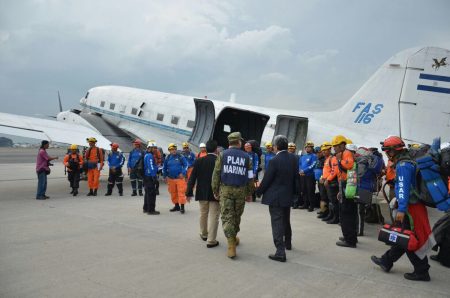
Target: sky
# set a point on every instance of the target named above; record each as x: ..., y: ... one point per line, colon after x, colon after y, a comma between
x: 311, y: 54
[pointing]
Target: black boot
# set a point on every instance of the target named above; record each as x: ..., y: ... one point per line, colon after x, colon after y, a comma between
x: 91, y: 192
x: 323, y: 214
x: 120, y: 188
x: 75, y: 192
x: 182, y: 208
x: 134, y: 193
x: 417, y: 276
x: 140, y: 192
x: 329, y: 216
x: 109, y: 192
x: 95, y: 193
x: 72, y: 190
x: 334, y: 220
x: 175, y: 208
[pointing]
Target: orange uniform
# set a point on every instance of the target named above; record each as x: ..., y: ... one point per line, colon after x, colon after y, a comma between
x: 157, y: 156
x: 177, y: 190
x: 327, y: 167
x: 334, y: 169
x: 72, y: 156
x: 390, y: 171
x: 346, y: 163
x: 94, y: 157
x: 202, y: 154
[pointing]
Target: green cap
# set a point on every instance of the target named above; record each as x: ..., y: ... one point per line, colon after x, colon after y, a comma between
x: 234, y: 136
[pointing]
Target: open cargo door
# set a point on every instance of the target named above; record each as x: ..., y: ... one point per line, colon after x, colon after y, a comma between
x: 204, y: 122
x: 294, y: 128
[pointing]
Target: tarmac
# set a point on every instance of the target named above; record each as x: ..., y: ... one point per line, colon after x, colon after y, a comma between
x: 106, y: 247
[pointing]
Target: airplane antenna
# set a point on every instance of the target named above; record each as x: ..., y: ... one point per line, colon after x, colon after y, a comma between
x: 59, y: 100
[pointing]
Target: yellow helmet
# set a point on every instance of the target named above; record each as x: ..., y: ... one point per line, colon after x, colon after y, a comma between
x: 73, y: 147
x: 91, y: 139
x: 172, y: 146
x: 349, y: 141
x: 185, y: 145
x: 338, y: 140
x: 325, y: 146
x: 309, y: 144
x: 414, y: 146
x: 269, y: 144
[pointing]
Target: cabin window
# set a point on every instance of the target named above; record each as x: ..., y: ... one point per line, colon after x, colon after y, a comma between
x: 160, y: 117
x: 175, y: 120
x: 122, y: 108
x: 112, y: 106
x: 134, y: 111
x: 102, y: 104
x: 190, y: 124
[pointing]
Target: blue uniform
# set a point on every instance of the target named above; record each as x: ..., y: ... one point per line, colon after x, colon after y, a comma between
x: 116, y: 159
x: 255, y: 161
x: 150, y: 168
x: 134, y: 157
x: 267, y: 158
x: 405, y: 182
x: 174, y: 165
x: 190, y: 158
x: 307, y: 163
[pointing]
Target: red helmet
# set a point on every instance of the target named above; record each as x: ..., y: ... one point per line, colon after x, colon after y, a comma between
x: 137, y: 141
x: 114, y: 146
x: 392, y: 143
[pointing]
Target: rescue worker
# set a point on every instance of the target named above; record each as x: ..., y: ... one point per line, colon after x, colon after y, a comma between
x: 410, y: 211
x: 348, y: 208
x: 190, y: 159
x: 94, y: 159
x: 150, y: 176
x: 268, y: 155
x: 135, y: 167
x: 318, y: 173
x: 292, y: 148
x: 332, y: 187
x: 232, y: 182
x: 159, y: 160
x: 255, y: 162
x: 174, y: 172
x: 115, y: 163
x: 202, y: 152
x: 325, y: 205
x: 306, y: 165
x: 73, y: 161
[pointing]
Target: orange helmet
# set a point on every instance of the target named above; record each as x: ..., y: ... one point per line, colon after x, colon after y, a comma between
x: 392, y: 143
x: 114, y: 146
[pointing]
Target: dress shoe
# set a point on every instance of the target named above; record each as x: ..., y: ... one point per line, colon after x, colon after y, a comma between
x: 277, y: 258
x: 417, y: 276
x: 343, y: 239
x: 379, y: 262
x: 204, y: 238
x: 345, y: 244
x: 153, y: 212
x: 211, y: 245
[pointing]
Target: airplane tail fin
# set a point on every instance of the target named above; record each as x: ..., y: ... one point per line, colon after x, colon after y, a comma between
x: 409, y: 96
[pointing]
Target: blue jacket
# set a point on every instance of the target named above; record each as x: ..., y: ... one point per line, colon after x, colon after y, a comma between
x: 405, y: 182
x: 267, y: 158
x: 255, y: 161
x: 116, y: 159
x: 190, y: 158
x: 318, y: 169
x: 134, y: 156
x: 174, y: 165
x: 150, y: 168
x: 306, y: 163
x: 369, y: 180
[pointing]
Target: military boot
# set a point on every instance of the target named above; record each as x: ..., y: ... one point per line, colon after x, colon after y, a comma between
x: 120, y: 187
x: 182, y: 208
x: 329, y: 216
x: 134, y: 193
x: 95, y: 193
x: 231, y: 247
x: 175, y: 208
x: 91, y: 192
x: 75, y: 192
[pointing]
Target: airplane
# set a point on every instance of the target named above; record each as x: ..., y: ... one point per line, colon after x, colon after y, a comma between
x: 409, y: 96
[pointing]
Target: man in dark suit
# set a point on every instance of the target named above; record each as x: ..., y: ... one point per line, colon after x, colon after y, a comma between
x: 209, y: 206
x: 278, y: 189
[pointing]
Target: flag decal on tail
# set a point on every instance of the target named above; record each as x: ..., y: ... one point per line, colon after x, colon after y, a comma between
x: 442, y: 81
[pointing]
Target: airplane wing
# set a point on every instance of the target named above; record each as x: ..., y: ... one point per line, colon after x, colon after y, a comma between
x: 54, y: 131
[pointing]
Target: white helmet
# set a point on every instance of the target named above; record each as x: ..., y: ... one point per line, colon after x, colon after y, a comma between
x: 351, y: 147
x: 202, y: 145
x: 151, y: 144
x: 445, y: 145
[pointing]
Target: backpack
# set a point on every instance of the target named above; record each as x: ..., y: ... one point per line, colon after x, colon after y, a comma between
x: 74, y: 164
x: 430, y: 188
x: 352, y: 182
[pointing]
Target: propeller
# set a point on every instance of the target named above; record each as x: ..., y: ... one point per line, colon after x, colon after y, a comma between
x: 59, y: 101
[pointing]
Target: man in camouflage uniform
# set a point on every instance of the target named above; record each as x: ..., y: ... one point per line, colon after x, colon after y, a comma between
x: 232, y: 182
